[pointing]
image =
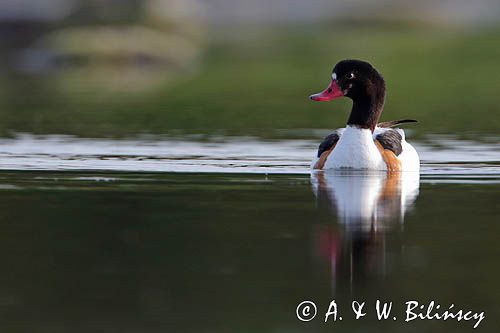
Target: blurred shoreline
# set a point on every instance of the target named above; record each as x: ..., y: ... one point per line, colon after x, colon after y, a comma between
x: 96, y: 69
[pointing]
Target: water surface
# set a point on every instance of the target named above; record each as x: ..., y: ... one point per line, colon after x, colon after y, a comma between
x: 230, y: 235
x: 440, y: 154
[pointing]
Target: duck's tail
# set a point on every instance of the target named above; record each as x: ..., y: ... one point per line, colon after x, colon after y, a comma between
x: 392, y: 123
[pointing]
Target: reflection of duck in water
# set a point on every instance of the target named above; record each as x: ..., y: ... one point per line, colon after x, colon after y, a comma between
x: 366, y: 201
x: 365, y: 206
x: 364, y: 144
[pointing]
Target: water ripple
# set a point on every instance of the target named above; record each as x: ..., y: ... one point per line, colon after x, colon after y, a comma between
x: 450, y: 159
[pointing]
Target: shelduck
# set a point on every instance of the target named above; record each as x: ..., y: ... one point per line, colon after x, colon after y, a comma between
x: 364, y: 144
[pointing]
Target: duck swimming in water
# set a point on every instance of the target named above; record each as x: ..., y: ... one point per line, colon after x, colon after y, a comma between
x: 364, y: 144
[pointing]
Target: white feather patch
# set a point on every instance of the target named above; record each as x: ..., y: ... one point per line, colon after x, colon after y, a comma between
x: 355, y: 150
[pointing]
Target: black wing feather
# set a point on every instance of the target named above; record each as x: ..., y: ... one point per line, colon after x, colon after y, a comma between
x: 392, y: 123
x: 391, y: 140
x: 329, y: 141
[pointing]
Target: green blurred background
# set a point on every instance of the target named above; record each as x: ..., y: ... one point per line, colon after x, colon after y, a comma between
x: 121, y: 68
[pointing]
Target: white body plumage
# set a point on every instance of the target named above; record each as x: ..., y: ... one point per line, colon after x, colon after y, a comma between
x: 356, y: 150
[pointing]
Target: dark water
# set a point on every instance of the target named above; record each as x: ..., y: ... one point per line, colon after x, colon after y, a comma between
x: 187, y: 252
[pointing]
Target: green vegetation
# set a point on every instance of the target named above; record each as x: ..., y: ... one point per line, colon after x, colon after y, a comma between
x: 254, y: 82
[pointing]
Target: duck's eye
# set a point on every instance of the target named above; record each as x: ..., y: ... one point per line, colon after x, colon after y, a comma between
x: 350, y: 76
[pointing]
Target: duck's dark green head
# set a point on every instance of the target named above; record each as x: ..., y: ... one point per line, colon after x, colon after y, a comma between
x: 355, y: 79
